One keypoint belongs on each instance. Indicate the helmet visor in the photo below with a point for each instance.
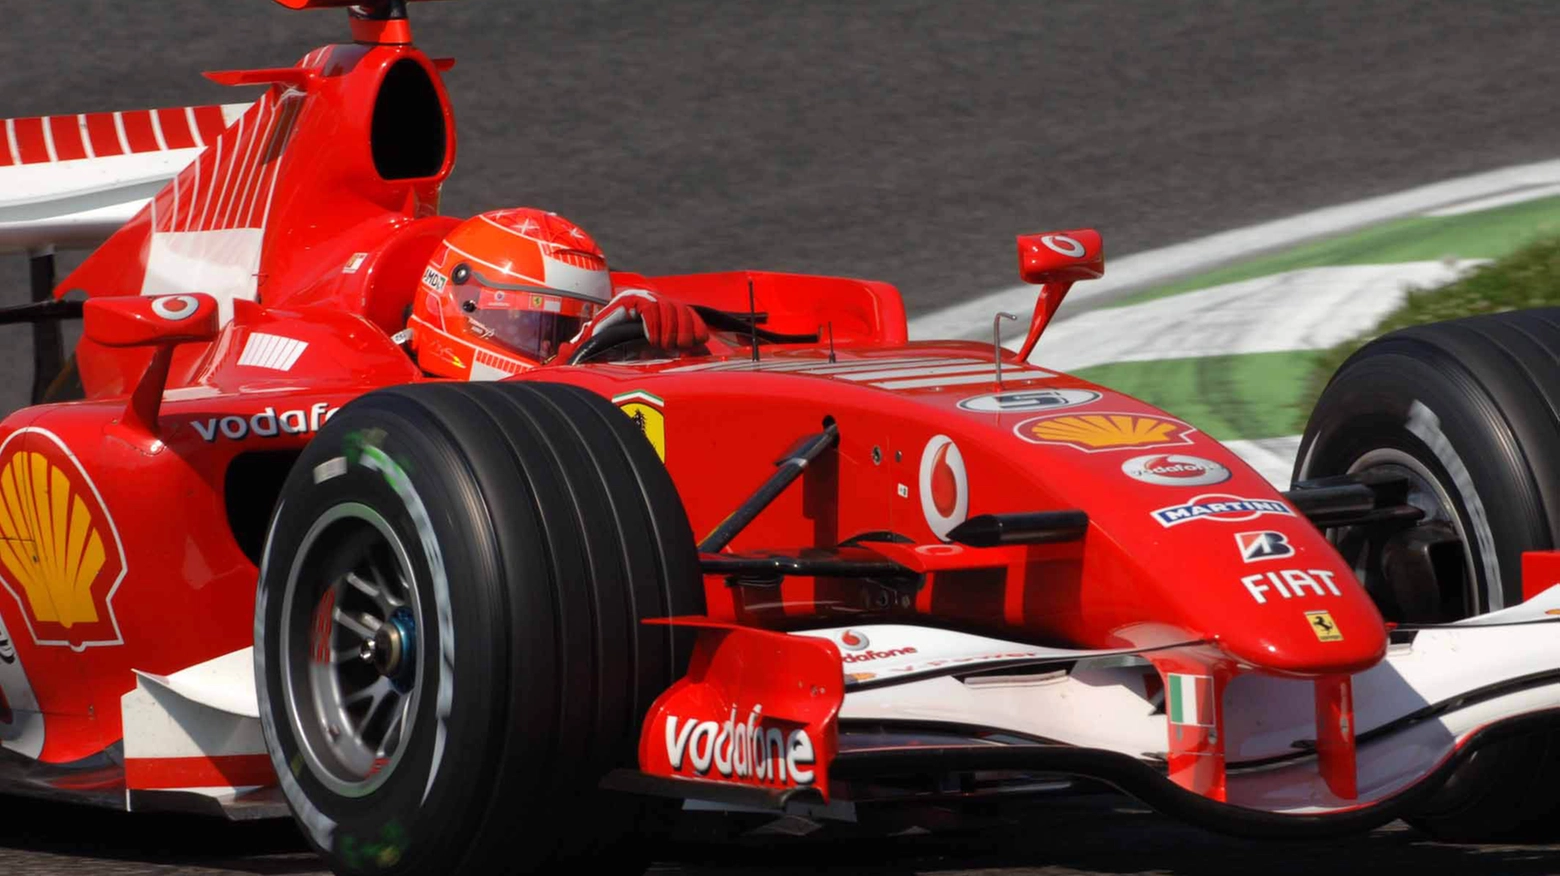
(529, 321)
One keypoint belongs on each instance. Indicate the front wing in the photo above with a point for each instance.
(893, 712)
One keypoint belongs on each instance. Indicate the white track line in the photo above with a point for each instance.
(1273, 458)
(1505, 199)
(1307, 309)
(972, 318)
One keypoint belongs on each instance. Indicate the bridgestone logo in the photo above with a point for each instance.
(745, 750)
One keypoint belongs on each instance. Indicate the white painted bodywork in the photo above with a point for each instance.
(1096, 699)
(1105, 702)
(77, 204)
(208, 710)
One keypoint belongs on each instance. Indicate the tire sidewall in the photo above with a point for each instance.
(1406, 404)
(390, 834)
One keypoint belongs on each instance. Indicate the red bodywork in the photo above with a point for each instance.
(145, 518)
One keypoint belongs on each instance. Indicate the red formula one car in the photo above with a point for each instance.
(807, 566)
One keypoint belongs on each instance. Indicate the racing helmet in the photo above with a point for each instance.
(502, 291)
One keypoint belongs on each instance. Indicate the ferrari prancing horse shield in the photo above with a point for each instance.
(646, 412)
(60, 554)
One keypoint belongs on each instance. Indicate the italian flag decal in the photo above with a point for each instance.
(1189, 699)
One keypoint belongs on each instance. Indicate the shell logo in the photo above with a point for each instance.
(1105, 431)
(60, 554)
(945, 488)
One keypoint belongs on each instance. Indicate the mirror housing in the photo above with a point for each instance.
(1056, 260)
(160, 321)
(149, 320)
(1061, 256)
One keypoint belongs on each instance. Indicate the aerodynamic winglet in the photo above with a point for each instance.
(297, 77)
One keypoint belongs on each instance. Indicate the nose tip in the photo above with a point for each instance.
(1314, 643)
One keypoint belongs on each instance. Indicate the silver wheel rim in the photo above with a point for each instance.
(353, 702)
(1426, 493)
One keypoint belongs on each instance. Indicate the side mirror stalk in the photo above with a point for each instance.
(1051, 295)
(161, 322)
(1055, 260)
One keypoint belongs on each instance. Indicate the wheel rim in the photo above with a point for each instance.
(1423, 573)
(352, 649)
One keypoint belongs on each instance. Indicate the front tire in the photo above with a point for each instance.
(448, 644)
(1467, 413)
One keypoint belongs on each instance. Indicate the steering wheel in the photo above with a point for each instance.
(606, 339)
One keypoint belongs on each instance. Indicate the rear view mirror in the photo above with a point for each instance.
(149, 320)
(1056, 260)
(1061, 256)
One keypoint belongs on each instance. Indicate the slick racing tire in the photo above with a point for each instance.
(448, 647)
(1468, 413)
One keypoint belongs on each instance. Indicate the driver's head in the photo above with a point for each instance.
(502, 291)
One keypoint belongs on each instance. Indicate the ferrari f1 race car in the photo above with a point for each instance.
(256, 561)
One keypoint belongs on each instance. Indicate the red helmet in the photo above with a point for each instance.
(503, 290)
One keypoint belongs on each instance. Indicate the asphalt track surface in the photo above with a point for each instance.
(905, 141)
(1087, 836)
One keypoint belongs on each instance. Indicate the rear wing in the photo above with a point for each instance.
(70, 181)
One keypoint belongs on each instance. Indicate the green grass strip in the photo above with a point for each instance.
(1485, 234)
(1251, 395)
(1529, 277)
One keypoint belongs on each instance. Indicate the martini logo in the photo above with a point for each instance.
(1170, 470)
(647, 412)
(1257, 546)
(945, 489)
(60, 554)
(1325, 628)
(1220, 507)
(1092, 433)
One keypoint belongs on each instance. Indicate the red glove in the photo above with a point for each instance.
(670, 325)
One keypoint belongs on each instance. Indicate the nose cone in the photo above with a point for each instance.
(1254, 576)
(1307, 617)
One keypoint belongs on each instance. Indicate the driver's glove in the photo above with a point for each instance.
(669, 324)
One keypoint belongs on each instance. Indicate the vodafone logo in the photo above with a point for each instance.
(175, 307)
(1063, 245)
(1175, 470)
(751, 750)
(945, 490)
(851, 640)
(867, 656)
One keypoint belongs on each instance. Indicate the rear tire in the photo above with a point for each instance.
(1469, 412)
(502, 543)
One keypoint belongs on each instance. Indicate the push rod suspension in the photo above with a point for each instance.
(789, 469)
